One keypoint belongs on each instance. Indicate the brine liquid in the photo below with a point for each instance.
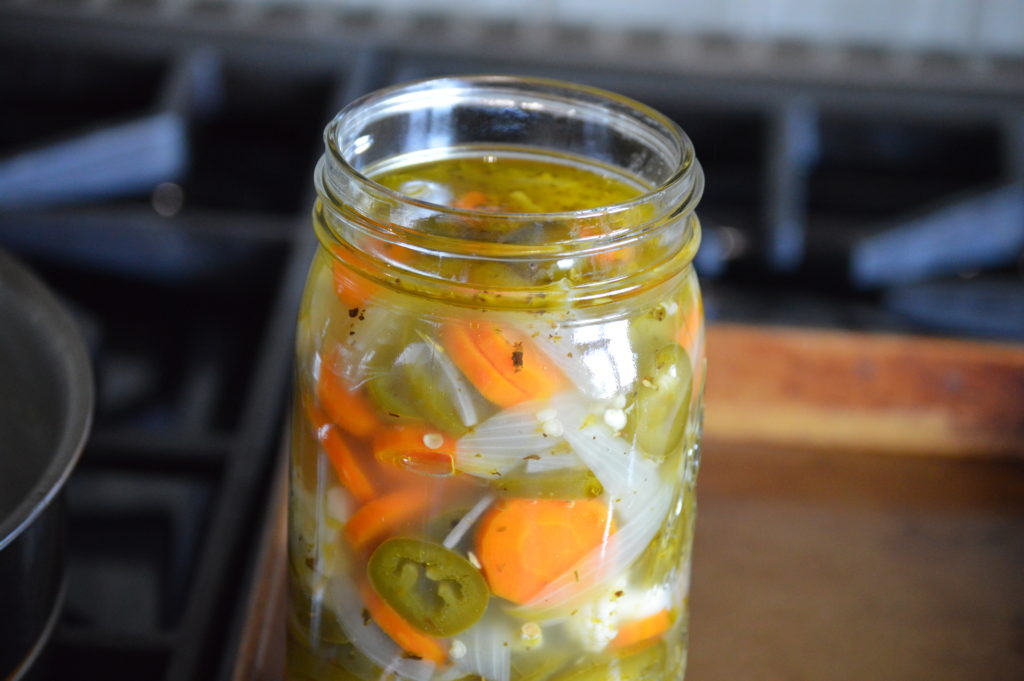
(499, 494)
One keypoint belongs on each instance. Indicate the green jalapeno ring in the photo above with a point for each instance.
(435, 589)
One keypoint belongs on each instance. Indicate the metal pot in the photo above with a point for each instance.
(46, 399)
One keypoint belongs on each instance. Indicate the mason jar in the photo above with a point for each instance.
(500, 367)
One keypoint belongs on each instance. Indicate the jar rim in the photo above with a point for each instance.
(687, 169)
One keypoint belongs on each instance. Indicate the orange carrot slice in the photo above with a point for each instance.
(348, 468)
(518, 360)
(416, 448)
(411, 640)
(688, 338)
(641, 630)
(346, 465)
(688, 333)
(459, 343)
(347, 408)
(523, 544)
(376, 518)
(502, 363)
(352, 289)
(608, 257)
(473, 200)
(350, 285)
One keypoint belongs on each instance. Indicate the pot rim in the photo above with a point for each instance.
(66, 346)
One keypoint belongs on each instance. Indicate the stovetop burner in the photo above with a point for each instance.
(167, 202)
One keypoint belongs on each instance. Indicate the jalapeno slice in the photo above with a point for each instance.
(662, 407)
(436, 590)
(560, 484)
(645, 665)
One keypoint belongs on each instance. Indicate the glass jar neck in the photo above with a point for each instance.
(408, 243)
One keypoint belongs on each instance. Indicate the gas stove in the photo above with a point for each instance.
(160, 182)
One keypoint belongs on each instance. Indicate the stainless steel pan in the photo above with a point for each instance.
(46, 399)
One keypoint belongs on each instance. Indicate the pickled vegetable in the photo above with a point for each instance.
(434, 589)
(485, 491)
(564, 484)
(524, 544)
(646, 665)
(662, 406)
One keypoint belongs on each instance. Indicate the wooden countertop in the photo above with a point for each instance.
(820, 555)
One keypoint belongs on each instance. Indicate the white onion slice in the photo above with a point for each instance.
(625, 473)
(598, 358)
(488, 648)
(552, 462)
(467, 521)
(358, 353)
(370, 639)
(502, 442)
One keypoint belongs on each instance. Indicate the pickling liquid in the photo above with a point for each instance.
(488, 491)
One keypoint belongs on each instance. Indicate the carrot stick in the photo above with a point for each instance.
(410, 639)
(348, 409)
(458, 341)
(417, 448)
(376, 518)
(523, 544)
(642, 629)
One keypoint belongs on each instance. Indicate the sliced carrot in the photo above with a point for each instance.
(411, 640)
(347, 466)
(503, 364)
(608, 257)
(459, 343)
(347, 408)
(641, 630)
(376, 518)
(689, 336)
(518, 360)
(523, 544)
(691, 324)
(473, 200)
(352, 289)
(416, 448)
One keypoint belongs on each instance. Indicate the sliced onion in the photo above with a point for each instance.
(367, 637)
(552, 462)
(359, 353)
(488, 648)
(626, 474)
(467, 521)
(502, 442)
(598, 358)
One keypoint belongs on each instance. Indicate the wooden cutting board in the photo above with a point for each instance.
(819, 555)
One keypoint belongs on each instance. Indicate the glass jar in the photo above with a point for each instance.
(500, 366)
